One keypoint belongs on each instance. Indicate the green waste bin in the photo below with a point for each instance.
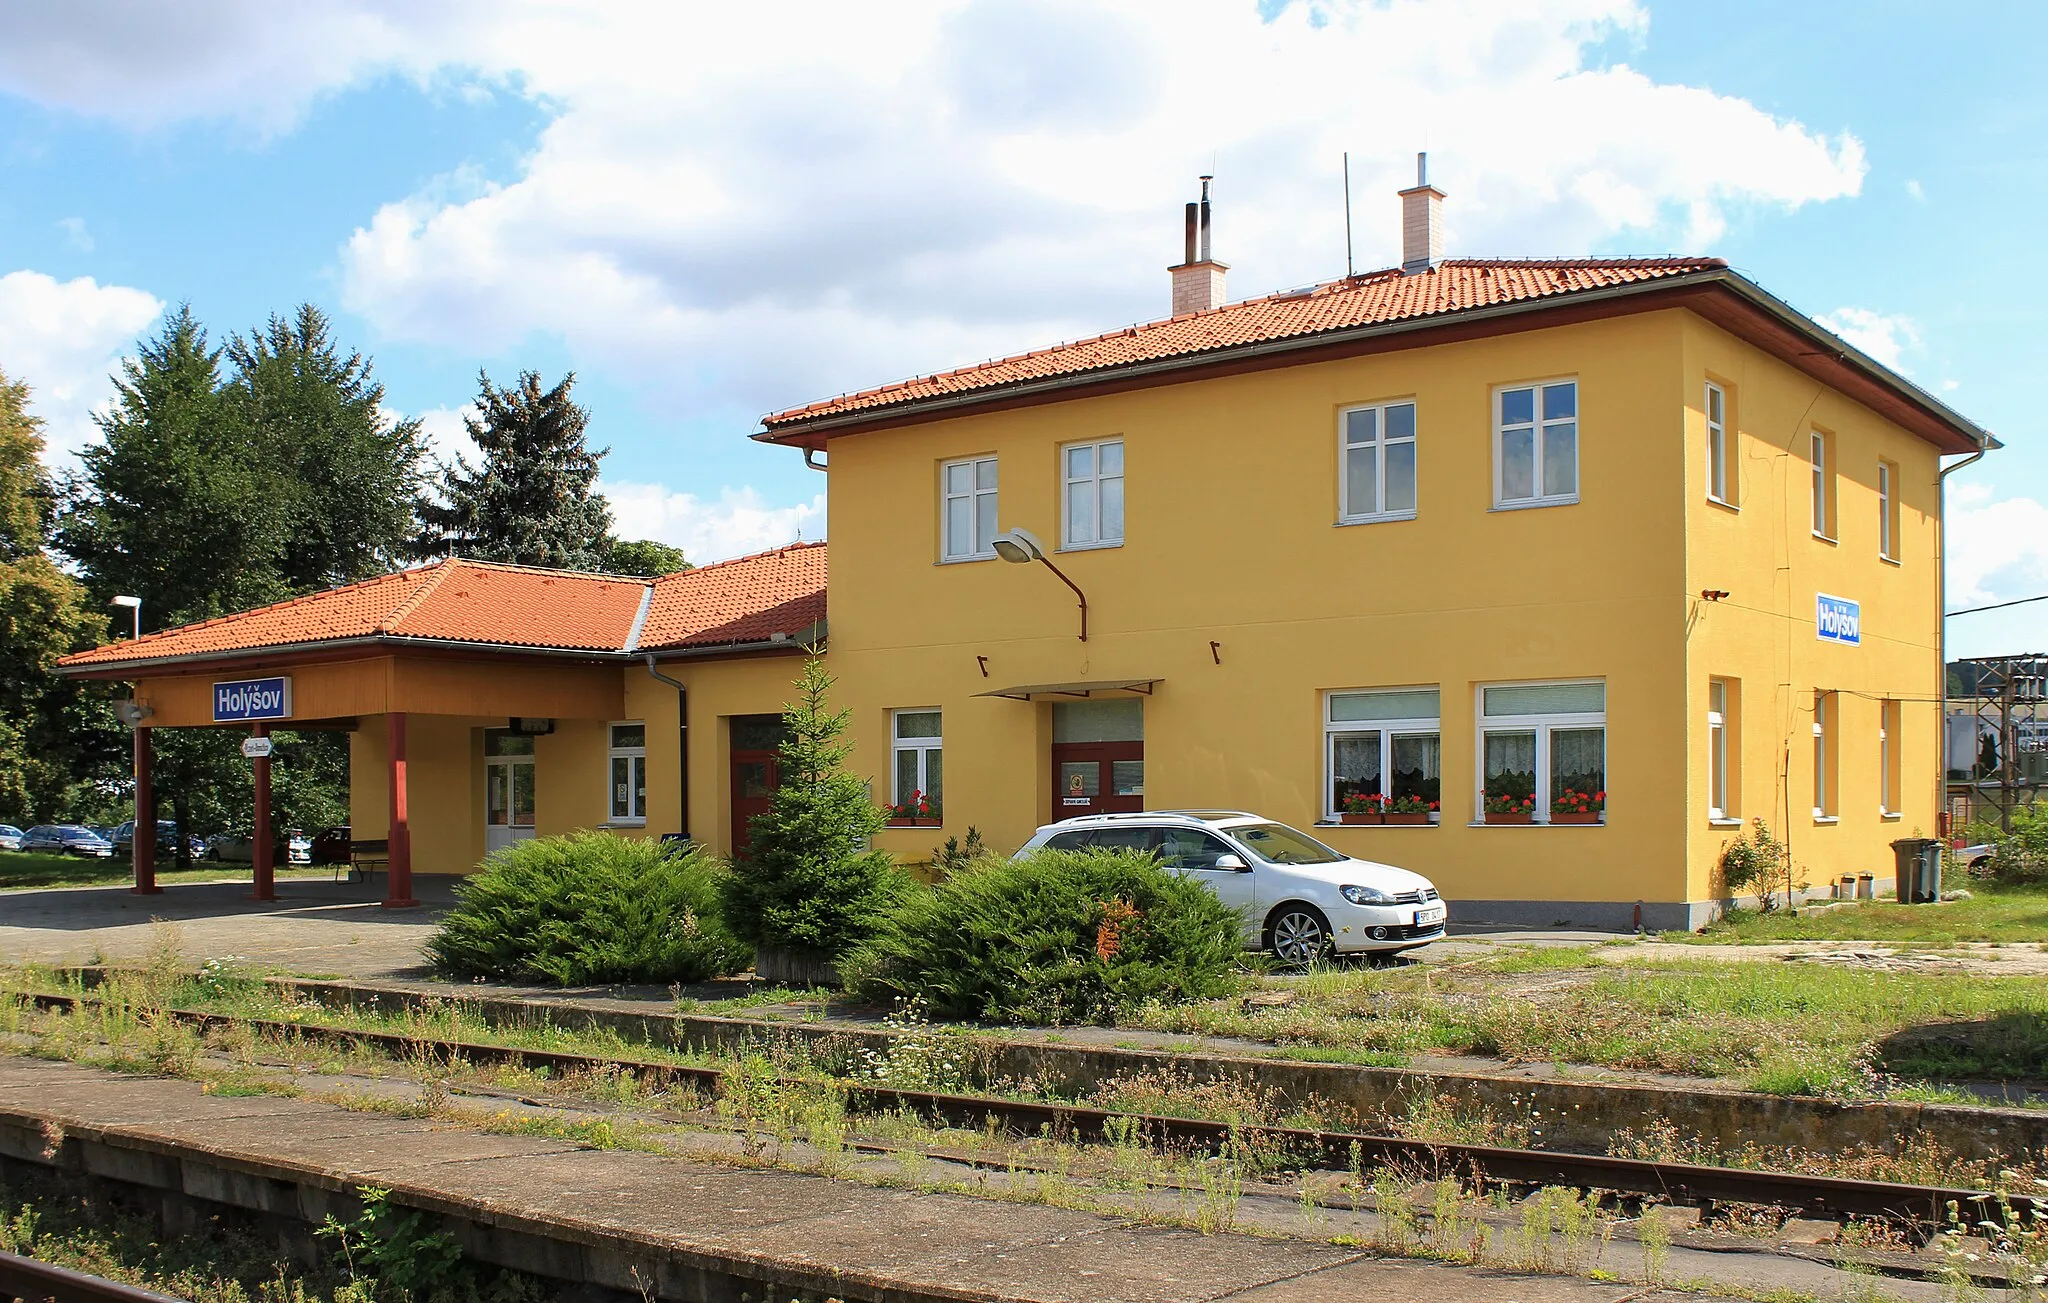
(1918, 867)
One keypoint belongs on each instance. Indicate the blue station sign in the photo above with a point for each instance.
(1837, 619)
(252, 699)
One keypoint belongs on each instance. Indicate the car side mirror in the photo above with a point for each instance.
(1234, 863)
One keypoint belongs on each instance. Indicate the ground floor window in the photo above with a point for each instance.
(1824, 807)
(1543, 751)
(1383, 752)
(1720, 762)
(628, 757)
(1888, 775)
(919, 768)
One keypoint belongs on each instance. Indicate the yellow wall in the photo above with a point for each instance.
(352, 689)
(444, 788)
(1764, 554)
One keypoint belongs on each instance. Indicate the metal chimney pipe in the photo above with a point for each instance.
(1194, 217)
(1205, 218)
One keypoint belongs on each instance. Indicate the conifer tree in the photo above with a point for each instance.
(531, 500)
(810, 887)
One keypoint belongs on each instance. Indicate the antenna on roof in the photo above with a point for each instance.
(1347, 215)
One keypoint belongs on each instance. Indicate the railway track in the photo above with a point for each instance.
(1919, 1207)
(40, 1282)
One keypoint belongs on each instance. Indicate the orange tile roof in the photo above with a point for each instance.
(1374, 298)
(747, 600)
(515, 608)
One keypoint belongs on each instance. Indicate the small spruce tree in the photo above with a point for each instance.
(810, 888)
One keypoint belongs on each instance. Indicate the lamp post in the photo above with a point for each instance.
(134, 604)
(1022, 547)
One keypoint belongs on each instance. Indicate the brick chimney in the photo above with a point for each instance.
(1422, 222)
(1198, 279)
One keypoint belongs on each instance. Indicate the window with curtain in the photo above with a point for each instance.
(917, 746)
(628, 757)
(1546, 744)
(1383, 742)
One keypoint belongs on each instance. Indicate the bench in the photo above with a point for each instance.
(365, 858)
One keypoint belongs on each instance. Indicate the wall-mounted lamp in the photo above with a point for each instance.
(1022, 547)
(134, 604)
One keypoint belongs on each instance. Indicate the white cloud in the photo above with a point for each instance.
(63, 339)
(737, 523)
(1884, 336)
(1997, 549)
(1914, 189)
(446, 435)
(758, 205)
(76, 237)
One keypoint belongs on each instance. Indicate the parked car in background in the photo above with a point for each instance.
(1299, 899)
(239, 847)
(66, 839)
(166, 840)
(10, 837)
(330, 845)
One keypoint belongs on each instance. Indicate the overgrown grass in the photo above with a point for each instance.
(1994, 912)
(37, 870)
(1782, 1028)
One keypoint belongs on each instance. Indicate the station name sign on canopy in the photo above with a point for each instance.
(248, 700)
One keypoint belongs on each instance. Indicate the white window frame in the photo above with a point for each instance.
(923, 746)
(1887, 490)
(1886, 710)
(977, 499)
(1095, 480)
(1719, 481)
(1388, 730)
(1543, 726)
(1348, 512)
(1537, 428)
(1717, 749)
(1823, 485)
(1825, 709)
(636, 774)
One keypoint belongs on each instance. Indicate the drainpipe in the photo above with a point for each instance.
(1941, 632)
(682, 742)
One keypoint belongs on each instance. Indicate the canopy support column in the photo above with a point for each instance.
(263, 849)
(398, 874)
(143, 847)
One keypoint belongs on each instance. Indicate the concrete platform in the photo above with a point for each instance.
(700, 1231)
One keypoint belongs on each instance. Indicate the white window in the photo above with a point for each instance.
(628, 758)
(1543, 750)
(1887, 511)
(1383, 748)
(1888, 773)
(1720, 486)
(969, 509)
(1717, 749)
(1093, 503)
(1823, 487)
(919, 768)
(1378, 474)
(1824, 755)
(1536, 445)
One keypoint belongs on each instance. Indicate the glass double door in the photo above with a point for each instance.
(508, 801)
(1098, 757)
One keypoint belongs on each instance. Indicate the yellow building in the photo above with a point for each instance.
(1625, 549)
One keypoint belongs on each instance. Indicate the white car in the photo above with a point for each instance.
(1298, 898)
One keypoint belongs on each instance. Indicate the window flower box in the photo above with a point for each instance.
(1510, 801)
(1576, 806)
(1410, 809)
(1574, 816)
(916, 812)
(1510, 816)
(1406, 816)
(1362, 807)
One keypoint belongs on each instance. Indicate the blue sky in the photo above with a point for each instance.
(709, 214)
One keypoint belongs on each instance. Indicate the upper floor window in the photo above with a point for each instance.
(1720, 460)
(968, 507)
(1383, 752)
(1536, 445)
(1888, 510)
(1093, 509)
(1821, 445)
(629, 772)
(1379, 462)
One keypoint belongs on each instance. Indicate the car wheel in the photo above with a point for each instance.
(1298, 935)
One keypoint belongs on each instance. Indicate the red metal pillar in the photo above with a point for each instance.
(398, 874)
(263, 850)
(144, 846)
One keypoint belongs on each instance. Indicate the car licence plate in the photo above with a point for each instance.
(1426, 917)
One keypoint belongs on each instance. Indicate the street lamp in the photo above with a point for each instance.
(134, 604)
(1022, 547)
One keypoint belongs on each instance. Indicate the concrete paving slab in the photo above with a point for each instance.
(1126, 1264)
(1382, 1278)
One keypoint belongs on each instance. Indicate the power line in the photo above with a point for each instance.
(1995, 606)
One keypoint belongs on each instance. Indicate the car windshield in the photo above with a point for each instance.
(1276, 843)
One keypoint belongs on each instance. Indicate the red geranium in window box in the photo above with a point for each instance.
(1574, 806)
(917, 812)
(1362, 807)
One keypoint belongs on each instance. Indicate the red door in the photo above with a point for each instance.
(754, 779)
(1097, 778)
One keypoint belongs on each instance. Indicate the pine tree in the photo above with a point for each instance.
(810, 887)
(531, 501)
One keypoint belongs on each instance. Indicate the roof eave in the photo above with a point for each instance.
(118, 669)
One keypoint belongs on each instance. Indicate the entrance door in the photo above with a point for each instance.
(756, 772)
(508, 801)
(1098, 757)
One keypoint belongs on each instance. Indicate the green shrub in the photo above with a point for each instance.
(1058, 937)
(809, 884)
(589, 907)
